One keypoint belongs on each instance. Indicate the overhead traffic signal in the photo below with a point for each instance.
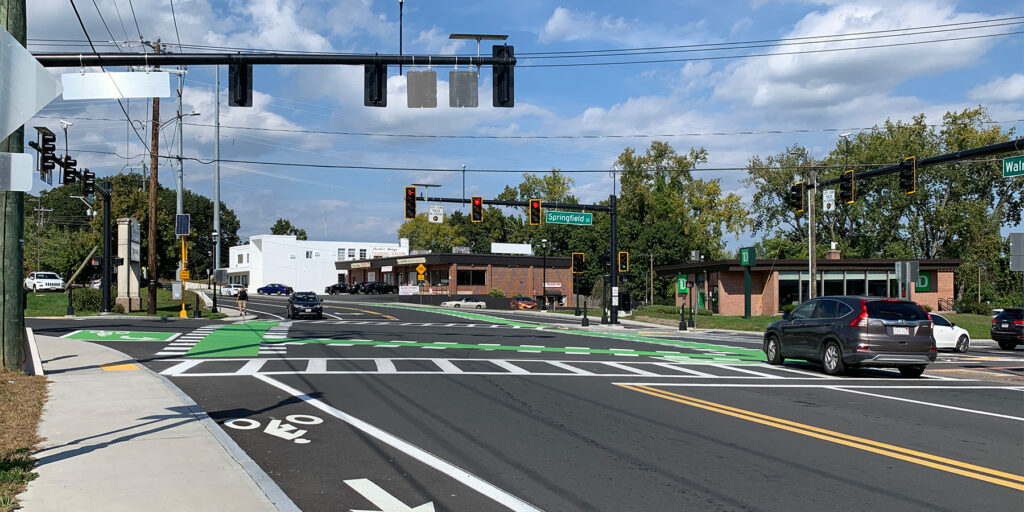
(796, 197)
(847, 193)
(503, 88)
(88, 182)
(410, 202)
(477, 211)
(240, 85)
(46, 147)
(577, 262)
(375, 85)
(70, 173)
(623, 261)
(908, 175)
(534, 212)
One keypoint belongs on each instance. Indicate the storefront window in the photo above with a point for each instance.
(789, 290)
(878, 284)
(833, 283)
(438, 278)
(471, 277)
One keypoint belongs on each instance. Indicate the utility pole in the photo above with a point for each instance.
(154, 183)
(812, 193)
(216, 173)
(12, 217)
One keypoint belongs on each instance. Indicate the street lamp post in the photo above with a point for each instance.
(544, 275)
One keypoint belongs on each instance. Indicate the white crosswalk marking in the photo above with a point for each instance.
(182, 344)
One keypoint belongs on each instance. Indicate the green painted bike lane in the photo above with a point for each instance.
(747, 354)
(232, 340)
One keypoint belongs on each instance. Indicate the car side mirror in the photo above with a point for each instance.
(952, 324)
(785, 316)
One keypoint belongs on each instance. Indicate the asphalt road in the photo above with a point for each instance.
(486, 410)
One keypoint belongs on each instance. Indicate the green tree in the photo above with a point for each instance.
(426, 235)
(284, 227)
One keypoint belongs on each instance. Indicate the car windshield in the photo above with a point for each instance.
(305, 296)
(47, 275)
(895, 310)
(1011, 314)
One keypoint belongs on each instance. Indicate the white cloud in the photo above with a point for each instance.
(1000, 90)
(572, 25)
(741, 26)
(436, 40)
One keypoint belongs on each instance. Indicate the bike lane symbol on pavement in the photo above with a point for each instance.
(104, 335)
(278, 428)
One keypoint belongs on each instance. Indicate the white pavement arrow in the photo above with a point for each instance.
(27, 85)
(382, 499)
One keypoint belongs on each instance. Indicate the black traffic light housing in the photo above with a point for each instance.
(240, 85)
(477, 210)
(908, 175)
(847, 192)
(88, 182)
(535, 212)
(69, 169)
(375, 85)
(96, 261)
(623, 261)
(577, 262)
(410, 202)
(796, 197)
(503, 77)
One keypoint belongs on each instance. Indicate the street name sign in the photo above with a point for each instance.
(116, 85)
(1013, 166)
(571, 218)
(27, 86)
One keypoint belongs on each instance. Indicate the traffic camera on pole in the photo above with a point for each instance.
(88, 182)
(908, 175)
(477, 211)
(534, 212)
(623, 261)
(847, 193)
(577, 262)
(410, 202)
(795, 199)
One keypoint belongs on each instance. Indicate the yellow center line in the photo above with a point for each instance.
(941, 463)
(389, 317)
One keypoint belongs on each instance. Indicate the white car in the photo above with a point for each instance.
(40, 281)
(464, 303)
(948, 335)
(230, 290)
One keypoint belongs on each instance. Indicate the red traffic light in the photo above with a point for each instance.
(536, 204)
(477, 201)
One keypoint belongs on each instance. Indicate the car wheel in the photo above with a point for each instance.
(478, 306)
(911, 372)
(260, 292)
(36, 288)
(963, 343)
(456, 306)
(319, 316)
(773, 350)
(1007, 345)
(832, 359)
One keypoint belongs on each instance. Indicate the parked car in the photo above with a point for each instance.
(274, 288)
(230, 290)
(846, 332)
(523, 303)
(355, 288)
(948, 335)
(464, 302)
(337, 288)
(304, 304)
(1008, 328)
(42, 281)
(378, 287)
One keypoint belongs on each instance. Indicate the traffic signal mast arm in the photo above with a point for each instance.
(63, 60)
(524, 204)
(993, 149)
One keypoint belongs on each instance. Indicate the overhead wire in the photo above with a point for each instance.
(136, 19)
(104, 21)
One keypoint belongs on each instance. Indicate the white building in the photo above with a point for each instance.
(305, 265)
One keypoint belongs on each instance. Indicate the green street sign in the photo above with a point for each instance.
(99, 335)
(681, 284)
(748, 256)
(573, 218)
(1013, 166)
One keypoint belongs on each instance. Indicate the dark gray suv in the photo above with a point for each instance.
(844, 332)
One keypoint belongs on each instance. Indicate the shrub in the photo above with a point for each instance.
(969, 306)
(86, 299)
(703, 312)
(927, 307)
(118, 308)
(496, 293)
(788, 308)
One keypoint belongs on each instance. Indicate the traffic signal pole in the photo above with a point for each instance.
(614, 307)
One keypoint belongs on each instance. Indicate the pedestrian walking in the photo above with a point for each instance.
(242, 298)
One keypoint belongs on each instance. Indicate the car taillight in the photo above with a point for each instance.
(993, 320)
(862, 318)
(1018, 322)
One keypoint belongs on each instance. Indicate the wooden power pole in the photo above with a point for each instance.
(154, 183)
(12, 217)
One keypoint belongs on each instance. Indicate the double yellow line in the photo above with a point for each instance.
(924, 459)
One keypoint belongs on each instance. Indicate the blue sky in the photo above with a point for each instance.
(705, 102)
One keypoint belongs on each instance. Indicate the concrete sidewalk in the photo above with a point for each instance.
(120, 437)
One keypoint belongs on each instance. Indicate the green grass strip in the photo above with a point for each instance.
(232, 340)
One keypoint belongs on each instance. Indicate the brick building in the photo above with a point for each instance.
(776, 283)
(472, 274)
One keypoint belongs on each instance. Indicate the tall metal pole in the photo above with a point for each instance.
(401, 5)
(216, 172)
(180, 182)
(614, 263)
(154, 184)
(12, 219)
(463, 183)
(544, 278)
(107, 256)
(810, 234)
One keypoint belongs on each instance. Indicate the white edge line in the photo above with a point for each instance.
(465, 477)
(961, 409)
(172, 338)
(72, 333)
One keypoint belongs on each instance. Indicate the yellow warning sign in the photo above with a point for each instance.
(421, 277)
(183, 275)
(420, 269)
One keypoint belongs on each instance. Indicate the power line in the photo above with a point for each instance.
(528, 137)
(136, 19)
(100, 14)
(175, 19)
(118, 11)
